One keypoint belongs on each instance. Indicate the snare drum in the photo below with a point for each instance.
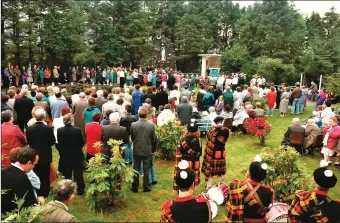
(278, 212)
(219, 193)
(213, 205)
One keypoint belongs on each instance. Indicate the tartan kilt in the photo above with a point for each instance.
(192, 166)
(213, 166)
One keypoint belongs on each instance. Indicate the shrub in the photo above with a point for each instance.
(167, 137)
(107, 177)
(257, 127)
(285, 174)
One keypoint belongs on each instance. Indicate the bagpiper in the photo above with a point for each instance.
(185, 207)
(316, 206)
(248, 200)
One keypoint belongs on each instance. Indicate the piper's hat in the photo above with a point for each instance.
(185, 177)
(218, 119)
(192, 127)
(325, 178)
(258, 170)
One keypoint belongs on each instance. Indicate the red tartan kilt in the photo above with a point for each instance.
(193, 165)
(213, 166)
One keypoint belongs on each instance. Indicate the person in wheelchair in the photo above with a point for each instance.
(292, 130)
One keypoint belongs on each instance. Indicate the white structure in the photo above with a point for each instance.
(210, 60)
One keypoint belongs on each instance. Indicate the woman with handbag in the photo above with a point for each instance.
(190, 149)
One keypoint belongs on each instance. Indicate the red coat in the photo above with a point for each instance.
(334, 135)
(11, 137)
(93, 133)
(271, 97)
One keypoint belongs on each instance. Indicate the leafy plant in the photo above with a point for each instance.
(285, 174)
(107, 177)
(28, 214)
(257, 127)
(167, 137)
(262, 100)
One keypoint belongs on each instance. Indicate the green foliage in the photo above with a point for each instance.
(28, 214)
(332, 83)
(167, 138)
(107, 178)
(285, 174)
(235, 58)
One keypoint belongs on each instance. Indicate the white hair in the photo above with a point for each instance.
(56, 90)
(24, 92)
(39, 114)
(211, 109)
(100, 93)
(296, 120)
(24, 86)
(82, 95)
(114, 117)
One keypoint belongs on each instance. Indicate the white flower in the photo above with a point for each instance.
(323, 163)
(328, 173)
(183, 175)
(257, 158)
(192, 124)
(264, 166)
(183, 165)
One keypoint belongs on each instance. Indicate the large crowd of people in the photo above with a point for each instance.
(44, 116)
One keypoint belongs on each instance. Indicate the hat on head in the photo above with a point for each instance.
(258, 170)
(192, 127)
(185, 177)
(218, 119)
(324, 177)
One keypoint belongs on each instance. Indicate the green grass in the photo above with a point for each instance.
(146, 207)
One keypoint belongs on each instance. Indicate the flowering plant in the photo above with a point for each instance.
(257, 127)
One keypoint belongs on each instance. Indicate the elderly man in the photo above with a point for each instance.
(40, 137)
(113, 131)
(57, 105)
(184, 111)
(142, 135)
(78, 110)
(16, 182)
(23, 107)
(63, 194)
(165, 116)
(11, 137)
(186, 93)
(295, 127)
(100, 100)
(311, 132)
(110, 105)
(70, 146)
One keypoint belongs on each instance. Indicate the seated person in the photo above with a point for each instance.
(295, 127)
(250, 111)
(185, 207)
(258, 110)
(311, 132)
(205, 122)
(227, 113)
(239, 118)
(256, 206)
(195, 114)
(63, 194)
(212, 114)
(316, 205)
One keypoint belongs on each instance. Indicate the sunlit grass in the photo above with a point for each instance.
(146, 207)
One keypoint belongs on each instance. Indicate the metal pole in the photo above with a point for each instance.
(301, 80)
(320, 82)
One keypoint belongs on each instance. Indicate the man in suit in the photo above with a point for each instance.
(78, 111)
(15, 182)
(40, 137)
(63, 194)
(70, 144)
(295, 127)
(23, 107)
(142, 135)
(113, 131)
(100, 100)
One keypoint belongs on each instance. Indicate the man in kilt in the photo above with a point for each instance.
(185, 207)
(316, 206)
(214, 163)
(190, 149)
(248, 200)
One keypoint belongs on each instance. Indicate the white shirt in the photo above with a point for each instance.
(253, 81)
(165, 116)
(177, 94)
(228, 81)
(57, 123)
(327, 114)
(110, 105)
(220, 81)
(235, 80)
(121, 73)
(149, 77)
(212, 116)
(75, 97)
(19, 167)
(239, 118)
(104, 73)
(261, 92)
(259, 81)
(135, 74)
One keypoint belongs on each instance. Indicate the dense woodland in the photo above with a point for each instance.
(270, 38)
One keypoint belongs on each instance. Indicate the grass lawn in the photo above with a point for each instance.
(146, 207)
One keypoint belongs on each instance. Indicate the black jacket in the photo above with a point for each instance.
(127, 121)
(41, 138)
(70, 144)
(113, 131)
(23, 107)
(161, 98)
(15, 182)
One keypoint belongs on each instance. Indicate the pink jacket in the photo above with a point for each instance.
(334, 135)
